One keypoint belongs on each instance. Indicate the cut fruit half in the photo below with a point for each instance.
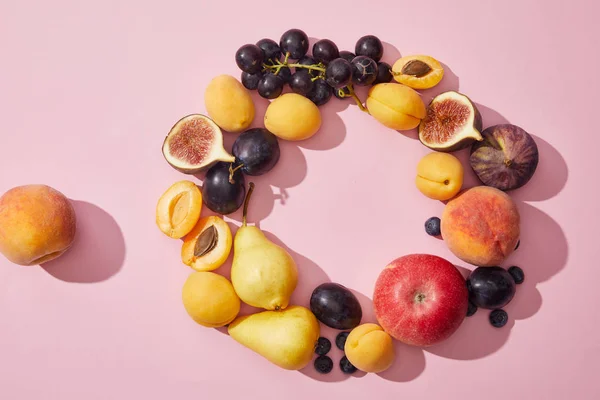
(452, 123)
(208, 245)
(194, 144)
(179, 209)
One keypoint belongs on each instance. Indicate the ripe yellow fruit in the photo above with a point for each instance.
(396, 106)
(210, 300)
(439, 176)
(229, 104)
(293, 117)
(369, 348)
(418, 71)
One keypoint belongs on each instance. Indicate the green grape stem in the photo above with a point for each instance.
(355, 97)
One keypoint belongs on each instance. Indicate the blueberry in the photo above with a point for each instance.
(498, 318)
(340, 340)
(517, 274)
(432, 226)
(323, 346)
(323, 364)
(346, 366)
(518, 244)
(472, 309)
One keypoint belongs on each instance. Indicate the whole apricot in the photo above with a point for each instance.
(292, 117)
(439, 176)
(37, 224)
(396, 106)
(229, 104)
(369, 348)
(210, 299)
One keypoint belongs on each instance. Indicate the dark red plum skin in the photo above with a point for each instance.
(506, 158)
(336, 306)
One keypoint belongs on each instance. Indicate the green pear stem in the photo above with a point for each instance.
(246, 202)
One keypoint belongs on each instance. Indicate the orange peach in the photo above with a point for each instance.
(481, 226)
(37, 224)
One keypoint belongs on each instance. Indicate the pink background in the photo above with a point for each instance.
(89, 89)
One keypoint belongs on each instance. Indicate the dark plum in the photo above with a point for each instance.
(384, 73)
(249, 58)
(364, 70)
(270, 49)
(256, 151)
(336, 306)
(347, 55)
(320, 93)
(301, 82)
(369, 46)
(250, 81)
(270, 86)
(491, 287)
(325, 51)
(219, 193)
(295, 42)
(338, 73)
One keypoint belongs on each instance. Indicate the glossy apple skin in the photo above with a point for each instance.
(420, 299)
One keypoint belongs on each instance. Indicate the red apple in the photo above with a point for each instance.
(420, 299)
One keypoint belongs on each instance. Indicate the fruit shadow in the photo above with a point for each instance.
(98, 251)
(543, 253)
(450, 81)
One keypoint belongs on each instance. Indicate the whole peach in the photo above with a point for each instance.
(37, 224)
(481, 226)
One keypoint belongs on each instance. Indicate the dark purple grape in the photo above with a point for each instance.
(218, 193)
(347, 55)
(256, 150)
(338, 73)
(249, 58)
(295, 42)
(250, 81)
(336, 306)
(320, 93)
(270, 49)
(307, 60)
(325, 51)
(345, 90)
(369, 46)
(301, 82)
(270, 86)
(364, 70)
(384, 73)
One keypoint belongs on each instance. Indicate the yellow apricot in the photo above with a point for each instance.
(210, 299)
(439, 176)
(418, 71)
(292, 117)
(396, 106)
(369, 348)
(178, 209)
(214, 247)
(229, 103)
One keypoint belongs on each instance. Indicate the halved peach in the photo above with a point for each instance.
(178, 209)
(208, 245)
(418, 71)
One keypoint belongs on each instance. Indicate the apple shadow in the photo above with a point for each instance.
(98, 251)
(476, 337)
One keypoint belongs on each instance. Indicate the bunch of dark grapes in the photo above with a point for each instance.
(268, 66)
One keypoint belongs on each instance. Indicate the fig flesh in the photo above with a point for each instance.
(452, 123)
(194, 144)
(506, 158)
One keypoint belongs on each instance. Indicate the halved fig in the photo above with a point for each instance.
(194, 144)
(506, 158)
(452, 123)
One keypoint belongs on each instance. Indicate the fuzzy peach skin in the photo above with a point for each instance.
(369, 348)
(37, 224)
(481, 226)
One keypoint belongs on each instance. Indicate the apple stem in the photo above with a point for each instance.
(246, 202)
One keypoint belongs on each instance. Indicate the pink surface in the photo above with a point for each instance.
(89, 89)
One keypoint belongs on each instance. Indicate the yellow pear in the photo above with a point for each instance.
(287, 338)
(263, 274)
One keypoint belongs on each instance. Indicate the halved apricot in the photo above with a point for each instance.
(418, 71)
(178, 209)
(208, 245)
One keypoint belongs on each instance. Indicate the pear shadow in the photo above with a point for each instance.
(391, 54)
(550, 177)
(331, 133)
(542, 254)
(98, 251)
(450, 81)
